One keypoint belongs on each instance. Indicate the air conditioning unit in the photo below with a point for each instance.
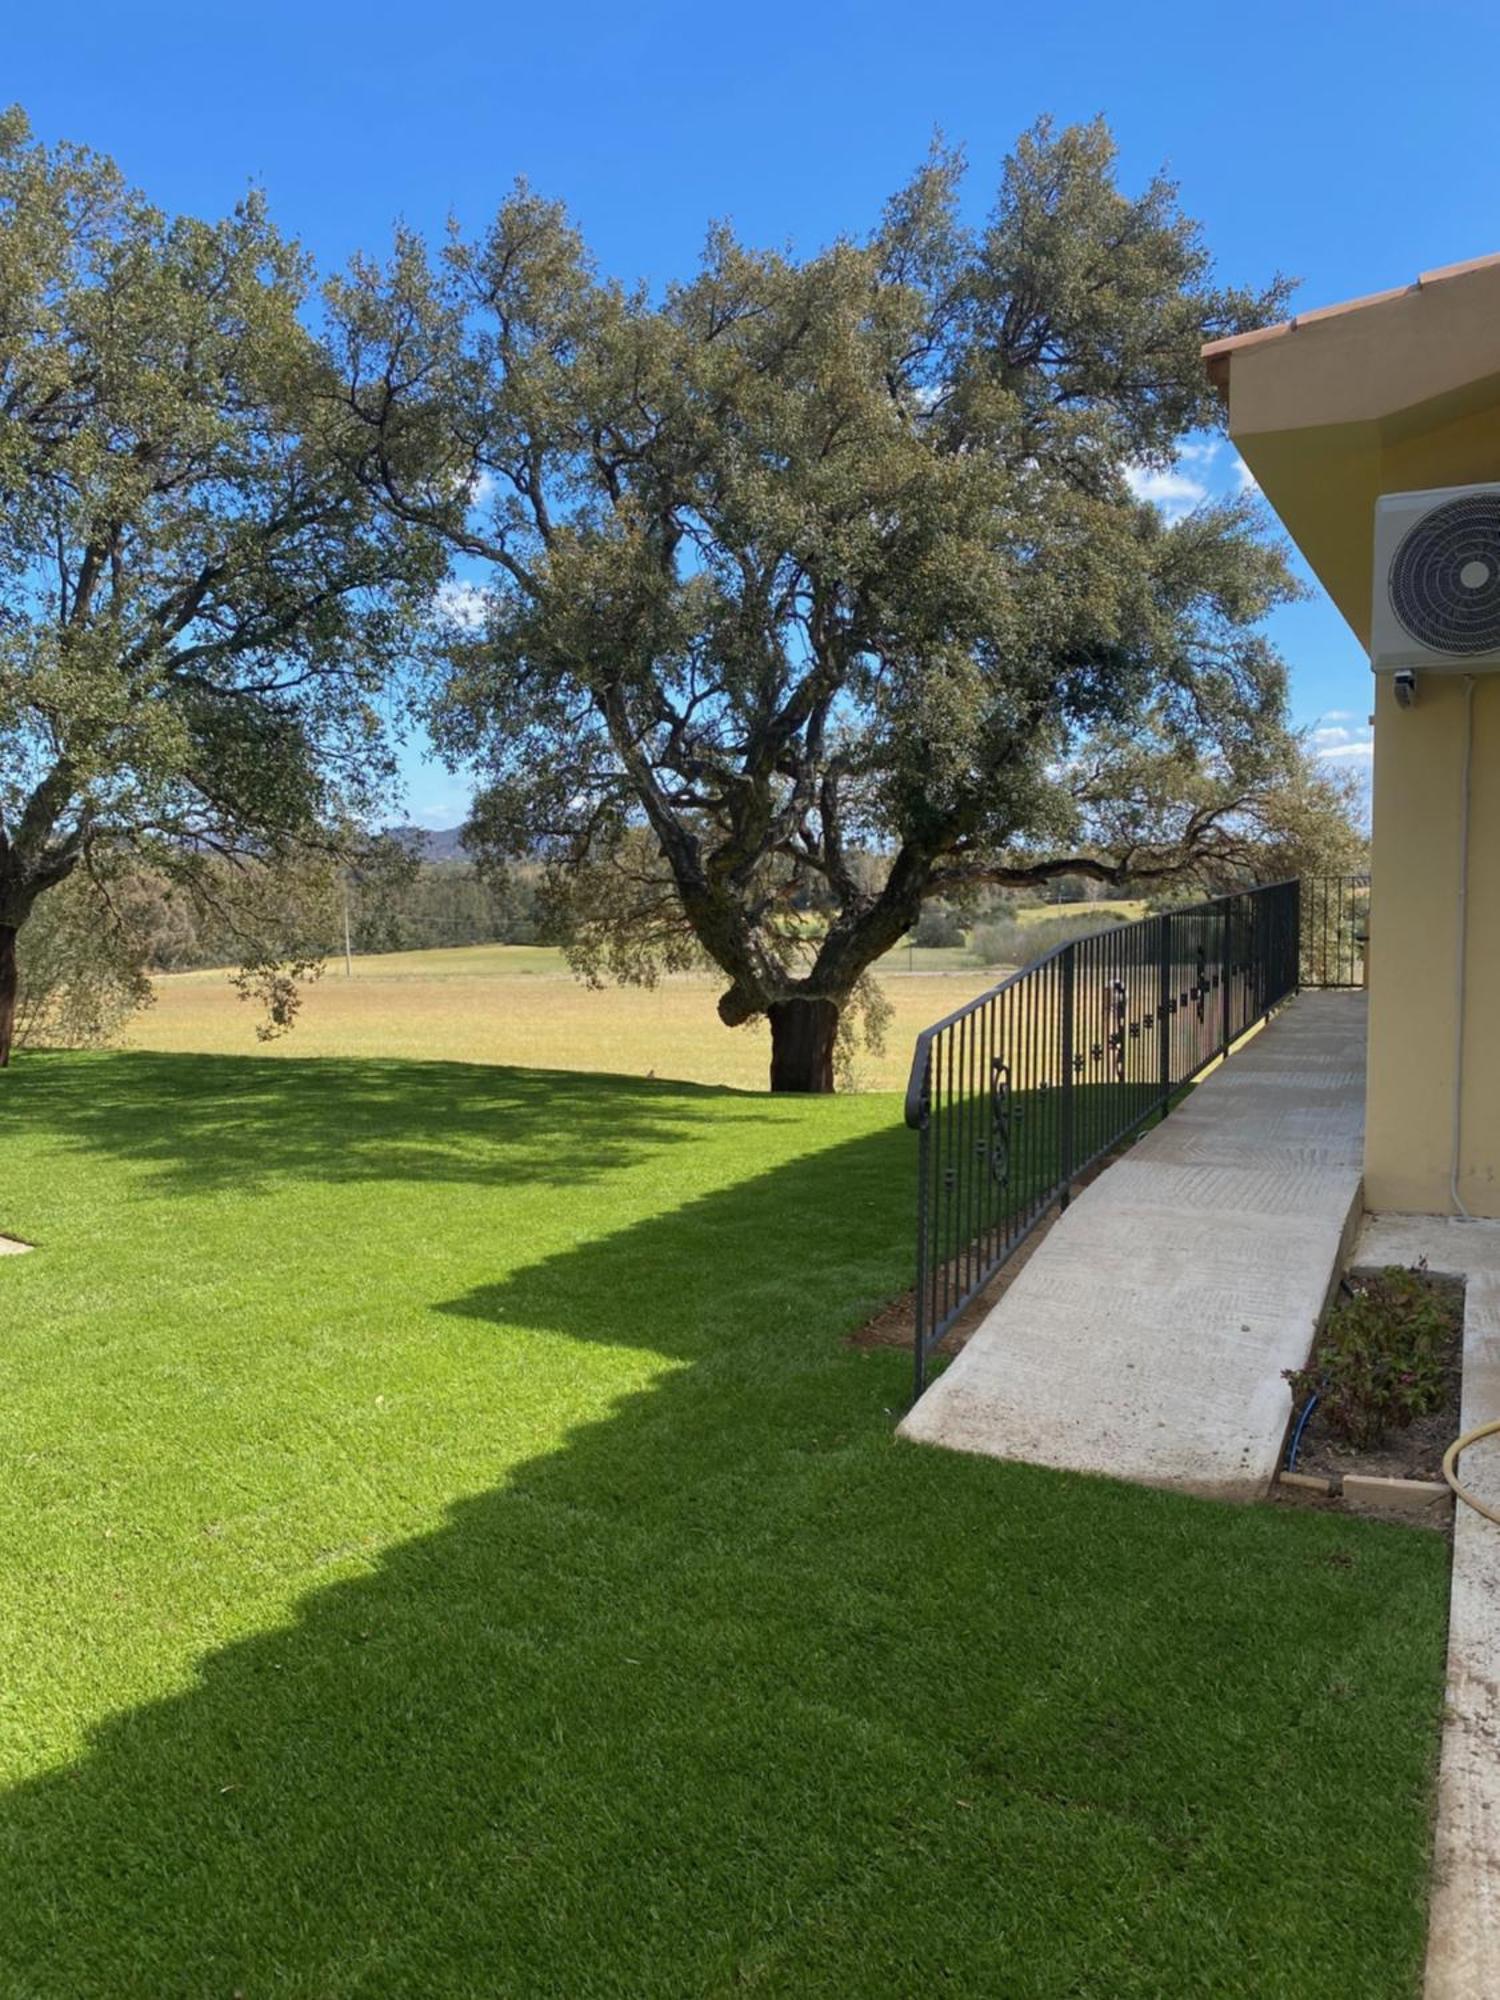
(1437, 581)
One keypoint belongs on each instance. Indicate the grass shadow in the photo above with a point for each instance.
(241, 1121)
(732, 1692)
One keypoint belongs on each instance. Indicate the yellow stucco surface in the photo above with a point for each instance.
(1414, 952)
(1399, 394)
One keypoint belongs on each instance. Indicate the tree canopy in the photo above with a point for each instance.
(816, 587)
(202, 612)
(825, 554)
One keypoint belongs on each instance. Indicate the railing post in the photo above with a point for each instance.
(1164, 1010)
(1226, 941)
(1065, 1116)
(924, 1257)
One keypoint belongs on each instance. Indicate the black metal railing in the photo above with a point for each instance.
(1020, 1092)
(1335, 929)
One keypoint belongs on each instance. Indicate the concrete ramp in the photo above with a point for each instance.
(1146, 1336)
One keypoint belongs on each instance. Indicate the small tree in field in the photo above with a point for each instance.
(200, 609)
(830, 557)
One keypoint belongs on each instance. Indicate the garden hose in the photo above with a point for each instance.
(1450, 1460)
(1291, 1457)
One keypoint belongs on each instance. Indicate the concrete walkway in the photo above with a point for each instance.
(1147, 1335)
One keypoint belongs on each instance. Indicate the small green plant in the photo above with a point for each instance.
(1384, 1357)
(939, 925)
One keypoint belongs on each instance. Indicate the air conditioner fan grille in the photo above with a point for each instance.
(1445, 577)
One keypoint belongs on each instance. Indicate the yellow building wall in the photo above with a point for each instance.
(1398, 395)
(1418, 790)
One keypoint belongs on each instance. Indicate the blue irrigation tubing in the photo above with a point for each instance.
(1291, 1457)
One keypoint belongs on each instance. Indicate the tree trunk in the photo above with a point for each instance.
(8, 981)
(802, 1038)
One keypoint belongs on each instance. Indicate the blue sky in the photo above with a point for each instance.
(1348, 145)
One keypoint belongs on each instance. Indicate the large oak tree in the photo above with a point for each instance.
(202, 612)
(813, 559)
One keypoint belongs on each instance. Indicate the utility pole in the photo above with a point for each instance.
(348, 953)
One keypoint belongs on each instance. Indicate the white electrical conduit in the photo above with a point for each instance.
(1461, 1444)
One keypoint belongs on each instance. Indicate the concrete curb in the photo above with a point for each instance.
(1463, 1933)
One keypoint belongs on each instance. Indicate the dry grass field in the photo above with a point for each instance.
(519, 1004)
(1120, 910)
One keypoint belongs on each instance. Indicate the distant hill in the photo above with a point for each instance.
(432, 843)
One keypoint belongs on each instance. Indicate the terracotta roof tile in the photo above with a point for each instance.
(1445, 271)
(1237, 340)
(1353, 305)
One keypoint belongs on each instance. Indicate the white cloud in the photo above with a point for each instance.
(465, 604)
(1171, 489)
(1339, 737)
(1203, 467)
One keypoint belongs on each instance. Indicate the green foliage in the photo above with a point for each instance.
(939, 925)
(581, 895)
(839, 553)
(1335, 928)
(863, 1028)
(1385, 1356)
(87, 947)
(446, 903)
(1067, 889)
(203, 616)
(409, 906)
(81, 970)
(1004, 942)
(1269, 810)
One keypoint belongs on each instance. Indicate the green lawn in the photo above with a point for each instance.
(450, 1550)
